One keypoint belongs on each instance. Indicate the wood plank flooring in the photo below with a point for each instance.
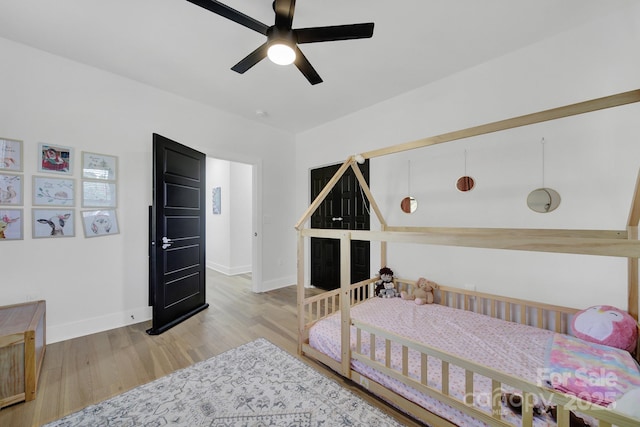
(86, 370)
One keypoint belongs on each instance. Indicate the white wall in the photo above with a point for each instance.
(218, 226)
(229, 240)
(97, 284)
(591, 160)
(240, 205)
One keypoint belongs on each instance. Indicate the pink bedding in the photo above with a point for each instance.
(578, 367)
(516, 349)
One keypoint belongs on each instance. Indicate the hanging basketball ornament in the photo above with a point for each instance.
(465, 183)
(543, 199)
(409, 204)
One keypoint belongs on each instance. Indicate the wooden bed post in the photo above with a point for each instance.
(632, 234)
(300, 292)
(632, 293)
(345, 302)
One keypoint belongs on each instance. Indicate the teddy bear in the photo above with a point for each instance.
(422, 292)
(384, 286)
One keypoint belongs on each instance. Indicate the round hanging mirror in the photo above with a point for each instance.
(465, 183)
(543, 200)
(409, 204)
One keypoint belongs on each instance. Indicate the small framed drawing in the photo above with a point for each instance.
(99, 166)
(10, 154)
(215, 201)
(53, 223)
(100, 223)
(49, 191)
(55, 159)
(11, 224)
(11, 189)
(98, 194)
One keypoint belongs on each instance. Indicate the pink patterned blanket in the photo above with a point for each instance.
(593, 372)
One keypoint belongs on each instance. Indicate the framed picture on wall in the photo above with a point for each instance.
(53, 223)
(55, 159)
(11, 189)
(216, 202)
(100, 223)
(10, 154)
(98, 194)
(11, 224)
(48, 191)
(99, 166)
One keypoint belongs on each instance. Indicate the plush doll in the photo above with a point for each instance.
(422, 292)
(384, 286)
(606, 325)
(514, 402)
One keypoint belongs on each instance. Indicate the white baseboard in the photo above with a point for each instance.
(274, 284)
(66, 331)
(93, 325)
(228, 270)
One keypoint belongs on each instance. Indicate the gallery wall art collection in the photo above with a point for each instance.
(54, 192)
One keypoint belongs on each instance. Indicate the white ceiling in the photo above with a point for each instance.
(179, 47)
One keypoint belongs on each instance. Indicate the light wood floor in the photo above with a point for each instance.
(86, 370)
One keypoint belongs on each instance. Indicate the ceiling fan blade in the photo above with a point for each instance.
(252, 59)
(306, 68)
(284, 13)
(336, 32)
(232, 14)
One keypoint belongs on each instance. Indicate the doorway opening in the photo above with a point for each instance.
(230, 218)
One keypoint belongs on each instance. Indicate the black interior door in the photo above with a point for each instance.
(346, 208)
(177, 248)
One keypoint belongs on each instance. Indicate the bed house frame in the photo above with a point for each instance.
(618, 243)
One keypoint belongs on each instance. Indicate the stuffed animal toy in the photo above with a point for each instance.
(422, 292)
(606, 325)
(514, 402)
(384, 286)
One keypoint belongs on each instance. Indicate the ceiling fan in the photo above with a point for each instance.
(282, 41)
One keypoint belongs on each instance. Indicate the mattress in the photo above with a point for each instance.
(509, 347)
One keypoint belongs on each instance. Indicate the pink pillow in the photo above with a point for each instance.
(607, 325)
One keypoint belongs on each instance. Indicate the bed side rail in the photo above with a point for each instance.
(473, 398)
(544, 316)
(319, 306)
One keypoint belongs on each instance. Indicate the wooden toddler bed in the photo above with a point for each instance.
(449, 363)
(432, 374)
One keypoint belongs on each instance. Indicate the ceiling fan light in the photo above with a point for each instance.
(281, 54)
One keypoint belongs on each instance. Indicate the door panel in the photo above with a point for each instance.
(181, 196)
(177, 273)
(186, 257)
(189, 226)
(181, 289)
(343, 208)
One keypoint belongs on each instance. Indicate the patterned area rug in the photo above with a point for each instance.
(257, 384)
